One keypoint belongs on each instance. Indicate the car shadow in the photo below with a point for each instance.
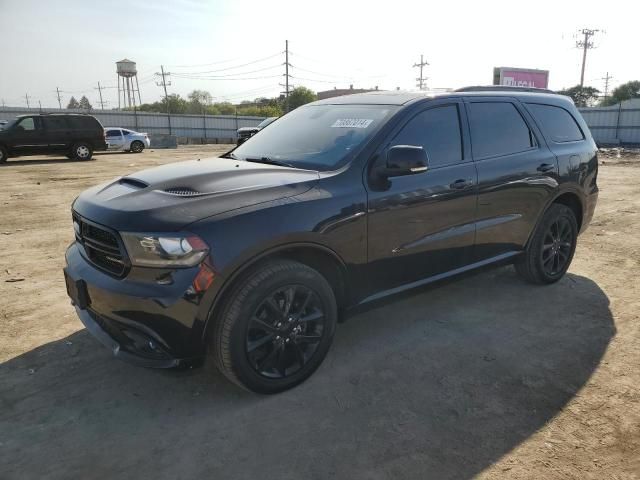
(47, 160)
(439, 384)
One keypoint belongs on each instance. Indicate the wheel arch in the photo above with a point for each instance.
(319, 257)
(568, 197)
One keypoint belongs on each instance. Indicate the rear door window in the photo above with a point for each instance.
(55, 123)
(556, 123)
(497, 128)
(437, 130)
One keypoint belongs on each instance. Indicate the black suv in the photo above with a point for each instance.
(74, 135)
(255, 256)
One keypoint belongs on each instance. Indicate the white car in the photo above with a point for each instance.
(127, 140)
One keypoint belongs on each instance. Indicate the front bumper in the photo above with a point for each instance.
(142, 321)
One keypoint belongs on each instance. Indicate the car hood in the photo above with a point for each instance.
(172, 196)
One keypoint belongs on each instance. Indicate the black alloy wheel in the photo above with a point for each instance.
(556, 248)
(551, 247)
(276, 326)
(284, 331)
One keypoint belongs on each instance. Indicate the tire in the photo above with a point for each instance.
(81, 151)
(136, 146)
(551, 249)
(276, 327)
(4, 155)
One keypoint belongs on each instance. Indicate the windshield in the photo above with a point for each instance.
(266, 122)
(317, 137)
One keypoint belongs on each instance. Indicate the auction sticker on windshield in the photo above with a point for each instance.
(352, 123)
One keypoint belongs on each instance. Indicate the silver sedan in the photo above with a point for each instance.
(127, 140)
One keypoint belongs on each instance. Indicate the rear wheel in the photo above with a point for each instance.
(137, 146)
(3, 154)
(276, 328)
(81, 151)
(551, 248)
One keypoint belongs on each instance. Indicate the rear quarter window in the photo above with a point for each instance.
(556, 123)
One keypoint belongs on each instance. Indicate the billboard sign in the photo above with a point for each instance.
(521, 77)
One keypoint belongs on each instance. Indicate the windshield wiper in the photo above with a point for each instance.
(229, 155)
(269, 161)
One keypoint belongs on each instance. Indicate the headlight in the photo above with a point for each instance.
(164, 250)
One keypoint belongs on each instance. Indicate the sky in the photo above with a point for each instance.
(235, 49)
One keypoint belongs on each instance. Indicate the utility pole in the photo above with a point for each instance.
(101, 102)
(585, 45)
(40, 105)
(59, 100)
(164, 84)
(26, 97)
(421, 80)
(606, 85)
(286, 76)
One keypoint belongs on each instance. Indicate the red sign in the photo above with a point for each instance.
(520, 77)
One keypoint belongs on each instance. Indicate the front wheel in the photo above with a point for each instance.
(551, 249)
(137, 146)
(276, 327)
(3, 154)
(81, 151)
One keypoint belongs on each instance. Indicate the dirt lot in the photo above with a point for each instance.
(485, 377)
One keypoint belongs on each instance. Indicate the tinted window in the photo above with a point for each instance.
(26, 124)
(127, 132)
(437, 130)
(497, 128)
(556, 123)
(81, 122)
(55, 123)
(113, 133)
(318, 137)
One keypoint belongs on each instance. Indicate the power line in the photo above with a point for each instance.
(189, 77)
(585, 44)
(606, 79)
(421, 80)
(286, 76)
(164, 84)
(239, 66)
(192, 74)
(100, 91)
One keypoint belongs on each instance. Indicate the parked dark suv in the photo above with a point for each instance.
(74, 135)
(255, 256)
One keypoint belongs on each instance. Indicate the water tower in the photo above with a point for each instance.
(127, 72)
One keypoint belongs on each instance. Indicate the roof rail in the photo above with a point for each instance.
(502, 88)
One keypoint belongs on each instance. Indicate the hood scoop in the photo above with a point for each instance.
(132, 182)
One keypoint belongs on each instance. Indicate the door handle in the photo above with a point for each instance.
(461, 184)
(546, 167)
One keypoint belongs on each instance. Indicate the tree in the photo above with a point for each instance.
(582, 96)
(199, 100)
(73, 103)
(626, 91)
(84, 103)
(299, 96)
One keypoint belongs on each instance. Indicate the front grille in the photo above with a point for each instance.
(101, 246)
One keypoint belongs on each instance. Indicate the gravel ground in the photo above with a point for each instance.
(484, 377)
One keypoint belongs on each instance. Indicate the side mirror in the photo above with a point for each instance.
(406, 160)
